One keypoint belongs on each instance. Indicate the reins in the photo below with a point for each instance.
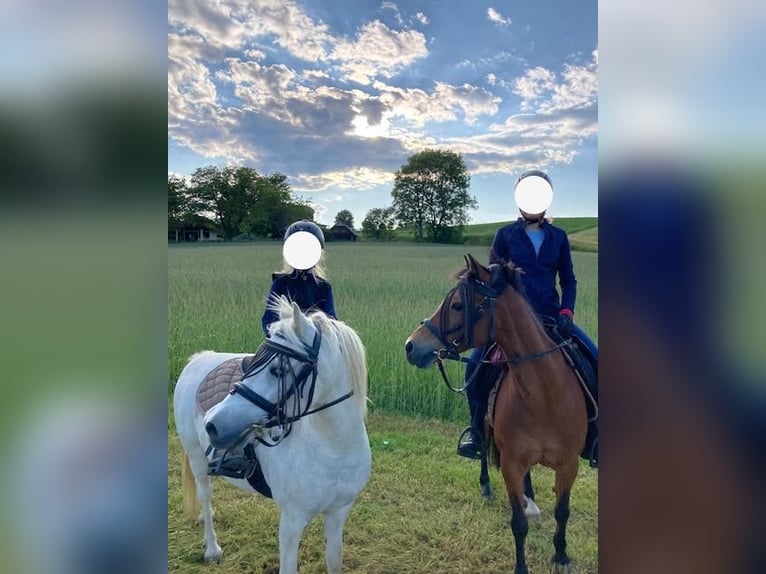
(277, 416)
(471, 315)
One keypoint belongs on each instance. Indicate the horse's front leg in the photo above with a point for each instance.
(514, 483)
(291, 525)
(334, 522)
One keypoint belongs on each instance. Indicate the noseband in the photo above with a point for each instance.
(276, 412)
(471, 315)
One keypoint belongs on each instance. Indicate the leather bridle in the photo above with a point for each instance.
(277, 415)
(472, 314)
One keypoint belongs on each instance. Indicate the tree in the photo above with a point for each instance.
(228, 192)
(345, 217)
(275, 209)
(178, 201)
(379, 223)
(431, 194)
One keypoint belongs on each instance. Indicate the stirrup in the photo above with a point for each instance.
(593, 462)
(462, 446)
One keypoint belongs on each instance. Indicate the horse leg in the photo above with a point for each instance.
(565, 477)
(334, 521)
(198, 463)
(291, 525)
(514, 480)
(486, 488)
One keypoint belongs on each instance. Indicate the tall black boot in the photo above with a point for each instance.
(471, 441)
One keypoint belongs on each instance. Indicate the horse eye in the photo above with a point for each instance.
(457, 307)
(275, 371)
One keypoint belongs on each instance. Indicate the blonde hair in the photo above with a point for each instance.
(318, 270)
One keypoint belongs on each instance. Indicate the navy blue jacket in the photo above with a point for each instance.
(511, 243)
(303, 287)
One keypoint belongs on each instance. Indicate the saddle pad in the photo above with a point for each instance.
(218, 383)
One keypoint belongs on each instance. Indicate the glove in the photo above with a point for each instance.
(564, 323)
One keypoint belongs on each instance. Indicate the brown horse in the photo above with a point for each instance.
(540, 415)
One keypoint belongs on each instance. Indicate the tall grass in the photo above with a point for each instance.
(216, 296)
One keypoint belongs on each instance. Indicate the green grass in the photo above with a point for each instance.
(216, 296)
(482, 234)
(421, 511)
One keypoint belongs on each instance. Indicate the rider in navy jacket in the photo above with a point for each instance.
(511, 243)
(309, 288)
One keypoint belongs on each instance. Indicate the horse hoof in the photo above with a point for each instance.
(561, 568)
(486, 492)
(214, 555)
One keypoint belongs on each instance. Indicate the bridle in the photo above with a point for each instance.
(277, 415)
(472, 314)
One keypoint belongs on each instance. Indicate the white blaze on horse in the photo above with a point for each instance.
(303, 403)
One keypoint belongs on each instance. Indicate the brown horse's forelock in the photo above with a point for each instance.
(513, 275)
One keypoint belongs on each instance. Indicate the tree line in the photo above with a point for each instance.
(240, 200)
(430, 198)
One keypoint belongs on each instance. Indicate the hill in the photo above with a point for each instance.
(582, 231)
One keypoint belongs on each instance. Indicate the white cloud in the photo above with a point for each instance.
(422, 18)
(541, 90)
(378, 51)
(491, 79)
(495, 16)
(359, 178)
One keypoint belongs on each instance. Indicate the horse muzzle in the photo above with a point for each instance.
(422, 356)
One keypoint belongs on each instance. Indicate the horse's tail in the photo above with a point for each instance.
(189, 488)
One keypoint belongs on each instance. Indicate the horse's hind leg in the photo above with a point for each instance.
(565, 478)
(486, 488)
(198, 463)
(334, 521)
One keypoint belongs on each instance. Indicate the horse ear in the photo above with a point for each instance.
(471, 264)
(300, 323)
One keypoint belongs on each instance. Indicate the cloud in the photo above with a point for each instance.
(378, 51)
(422, 18)
(542, 91)
(495, 16)
(491, 79)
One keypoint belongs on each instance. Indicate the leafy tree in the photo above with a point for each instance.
(345, 217)
(275, 209)
(229, 193)
(379, 223)
(178, 201)
(431, 194)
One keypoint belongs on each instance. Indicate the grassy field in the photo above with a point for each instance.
(421, 511)
(483, 233)
(216, 296)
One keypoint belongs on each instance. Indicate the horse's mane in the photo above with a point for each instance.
(513, 274)
(337, 333)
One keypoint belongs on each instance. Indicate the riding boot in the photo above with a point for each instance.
(471, 440)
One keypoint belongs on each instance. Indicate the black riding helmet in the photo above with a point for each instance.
(306, 225)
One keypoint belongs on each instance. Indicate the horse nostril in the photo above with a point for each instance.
(211, 430)
(408, 347)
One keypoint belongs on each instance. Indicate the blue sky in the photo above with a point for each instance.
(337, 94)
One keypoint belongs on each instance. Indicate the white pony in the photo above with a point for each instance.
(307, 397)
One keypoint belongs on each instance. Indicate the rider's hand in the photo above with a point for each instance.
(564, 322)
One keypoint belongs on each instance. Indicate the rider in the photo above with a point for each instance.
(302, 278)
(542, 251)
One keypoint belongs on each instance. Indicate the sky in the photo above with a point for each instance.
(338, 94)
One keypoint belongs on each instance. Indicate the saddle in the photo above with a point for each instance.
(580, 360)
(240, 462)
